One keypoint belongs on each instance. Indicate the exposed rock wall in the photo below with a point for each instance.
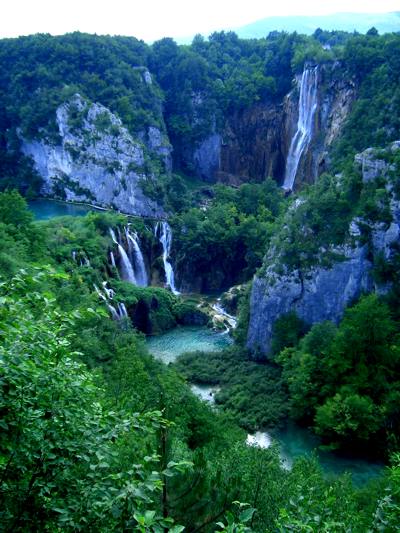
(324, 293)
(97, 160)
(335, 98)
(253, 143)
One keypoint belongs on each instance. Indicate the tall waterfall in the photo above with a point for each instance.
(127, 272)
(137, 256)
(165, 237)
(301, 139)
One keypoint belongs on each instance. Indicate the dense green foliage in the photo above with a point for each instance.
(374, 121)
(250, 392)
(89, 450)
(96, 434)
(201, 85)
(345, 380)
(223, 242)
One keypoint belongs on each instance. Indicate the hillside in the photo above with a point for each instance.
(349, 22)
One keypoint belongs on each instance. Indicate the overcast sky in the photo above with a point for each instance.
(153, 19)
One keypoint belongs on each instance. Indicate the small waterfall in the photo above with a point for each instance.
(109, 292)
(122, 312)
(137, 256)
(117, 313)
(127, 272)
(112, 258)
(166, 241)
(230, 319)
(301, 139)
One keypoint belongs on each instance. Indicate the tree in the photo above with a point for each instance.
(67, 461)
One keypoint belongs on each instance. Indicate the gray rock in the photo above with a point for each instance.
(97, 160)
(207, 157)
(158, 143)
(372, 166)
(323, 293)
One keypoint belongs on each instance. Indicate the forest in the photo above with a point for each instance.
(97, 435)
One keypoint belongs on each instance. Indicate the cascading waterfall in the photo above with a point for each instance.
(307, 106)
(112, 258)
(127, 272)
(117, 313)
(165, 237)
(230, 319)
(137, 256)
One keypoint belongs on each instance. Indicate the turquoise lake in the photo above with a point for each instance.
(46, 209)
(170, 345)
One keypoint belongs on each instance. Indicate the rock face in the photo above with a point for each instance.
(253, 143)
(324, 293)
(207, 157)
(97, 160)
(335, 97)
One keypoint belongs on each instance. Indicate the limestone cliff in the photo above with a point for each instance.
(97, 160)
(253, 143)
(323, 292)
(335, 96)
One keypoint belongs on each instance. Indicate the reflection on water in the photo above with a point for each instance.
(170, 345)
(46, 209)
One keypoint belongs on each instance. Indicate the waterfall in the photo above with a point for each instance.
(137, 256)
(109, 292)
(122, 312)
(112, 258)
(117, 313)
(127, 272)
(230, 319)
(301, 139)
(166, 241)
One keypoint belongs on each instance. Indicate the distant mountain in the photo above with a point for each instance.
(361, 22)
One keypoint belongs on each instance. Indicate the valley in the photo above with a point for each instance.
(200, 290)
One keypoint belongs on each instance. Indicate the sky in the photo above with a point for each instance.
(153, 19)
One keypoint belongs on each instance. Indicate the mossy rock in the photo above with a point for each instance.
(188, 314)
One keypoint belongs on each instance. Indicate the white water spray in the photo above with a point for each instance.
(307, 106)
(127, 272)
(117, 313)
(165, 238)
(137, 256)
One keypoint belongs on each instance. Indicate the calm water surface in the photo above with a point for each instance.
(46, 209)
(170, 345)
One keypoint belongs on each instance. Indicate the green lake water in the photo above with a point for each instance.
(46, 209)
(170, 345)
(293, 441)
